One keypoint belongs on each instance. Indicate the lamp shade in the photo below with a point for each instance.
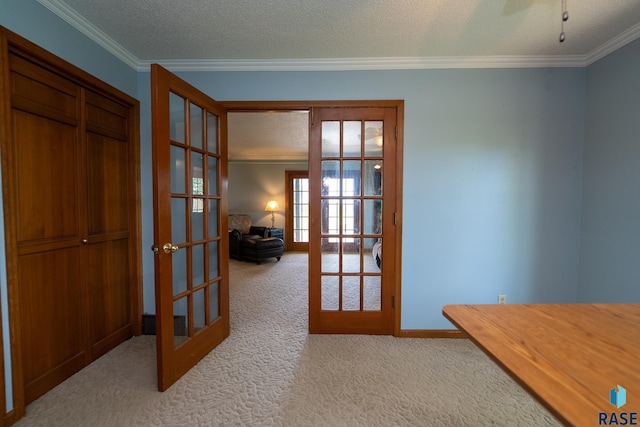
(272, 205)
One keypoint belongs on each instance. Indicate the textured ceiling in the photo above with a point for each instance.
(157, 30)
(345, 34)
(268, 135)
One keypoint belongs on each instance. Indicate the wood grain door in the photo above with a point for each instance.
(110, 199)
(190, 224)
(70, 194)
(70, 177)
(49, 190)
(352, 180)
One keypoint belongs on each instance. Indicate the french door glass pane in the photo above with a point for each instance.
(197, 219)
(351, 178)
(351, 293)
(370, 265)
(372, 293)
(196, 126)
(330, 293)
(372, 216)
(176, 114)
(212, 133)
(214, 302)
(197, 174)
(330, 255)
(212, 212)
(352, 139)
(351, 255)
(199, 310)
(179, 271)
(330, 139)
(178, 181)
(212, 174)
(181, 321)
(330, 178)
(178, 220)
(214, 271)
(373, 177)
(197, 265)
(350, 216)
(373, 138)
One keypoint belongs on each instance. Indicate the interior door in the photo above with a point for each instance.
(352, 202)
(190, 224)
(297, 208)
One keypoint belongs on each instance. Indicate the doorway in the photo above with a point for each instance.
(392, 275)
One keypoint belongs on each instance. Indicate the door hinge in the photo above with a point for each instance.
(396, 133)
(395, 218)
(311, 116)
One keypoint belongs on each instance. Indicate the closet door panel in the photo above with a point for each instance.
(47, 179)
(109, 295)
(107, 169)
(108, 209)
(52, 318)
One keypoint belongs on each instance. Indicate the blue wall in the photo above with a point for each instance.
(33, 21)
(492, 176)
(610, 249)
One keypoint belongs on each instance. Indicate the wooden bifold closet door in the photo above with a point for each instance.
(71, 207)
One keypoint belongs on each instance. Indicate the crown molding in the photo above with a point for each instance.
(80, 23)
(350, 64)
(614, 44)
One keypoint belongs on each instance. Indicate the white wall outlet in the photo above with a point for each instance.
(502, 299)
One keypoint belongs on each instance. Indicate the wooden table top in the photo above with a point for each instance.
(568, 356)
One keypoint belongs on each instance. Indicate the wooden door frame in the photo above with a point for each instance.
(11, 42)
(290, 175)
(257, 106)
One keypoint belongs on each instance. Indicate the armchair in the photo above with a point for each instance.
(251, 242)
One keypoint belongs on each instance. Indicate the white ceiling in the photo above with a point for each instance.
(353, 34)
(187, 35)
(281, 135)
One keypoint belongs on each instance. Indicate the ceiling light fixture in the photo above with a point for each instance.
(565, 18)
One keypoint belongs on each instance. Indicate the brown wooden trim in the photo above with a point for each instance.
(5, 117)
(10, 418)
(135, 220)
(306, 105)
(430, 333)
(10, 224)
(398, 201)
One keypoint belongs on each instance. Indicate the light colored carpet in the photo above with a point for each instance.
(270, 372)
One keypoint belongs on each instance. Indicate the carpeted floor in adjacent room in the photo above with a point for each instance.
(270, 372)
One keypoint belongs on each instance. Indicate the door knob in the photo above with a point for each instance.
(169, 248)
(84, 241)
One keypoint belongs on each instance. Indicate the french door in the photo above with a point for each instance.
(352, 192)
(297, 206)
(190, 224)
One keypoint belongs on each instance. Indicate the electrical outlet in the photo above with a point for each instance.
(502, 299)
